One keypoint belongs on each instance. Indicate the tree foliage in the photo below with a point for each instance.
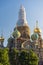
(4, 59)
(15, 57)
(28, 58)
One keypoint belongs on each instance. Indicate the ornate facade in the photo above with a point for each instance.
(21, 38)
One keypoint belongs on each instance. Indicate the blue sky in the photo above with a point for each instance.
(9, 15)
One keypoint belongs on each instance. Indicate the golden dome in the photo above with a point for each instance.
(25, 31)
(37, 30)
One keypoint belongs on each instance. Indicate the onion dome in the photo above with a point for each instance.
(37, 29)
(34, 36)
(22, 17)
(16, 33)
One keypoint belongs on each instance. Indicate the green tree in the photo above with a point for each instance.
(1, 64)
(28, 58)
(4, 59)
(33, 58)
(22, 58)
(15, 57)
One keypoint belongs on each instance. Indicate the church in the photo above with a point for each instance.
(21, 37)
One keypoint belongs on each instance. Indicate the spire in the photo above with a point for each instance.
(22, 17)
(22, 13)
(37, 24)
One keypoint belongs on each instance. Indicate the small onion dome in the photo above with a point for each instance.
(10, 39)
(37, 30)
(16, 34)
(1, 39)
(34, 36)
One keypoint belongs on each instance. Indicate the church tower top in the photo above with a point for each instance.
(22, 17)
(37, 29)
(22, 12)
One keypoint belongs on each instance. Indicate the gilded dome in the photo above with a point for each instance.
(37, 30)
(25, 31)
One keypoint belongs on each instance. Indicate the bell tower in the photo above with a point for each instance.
(22, 24)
